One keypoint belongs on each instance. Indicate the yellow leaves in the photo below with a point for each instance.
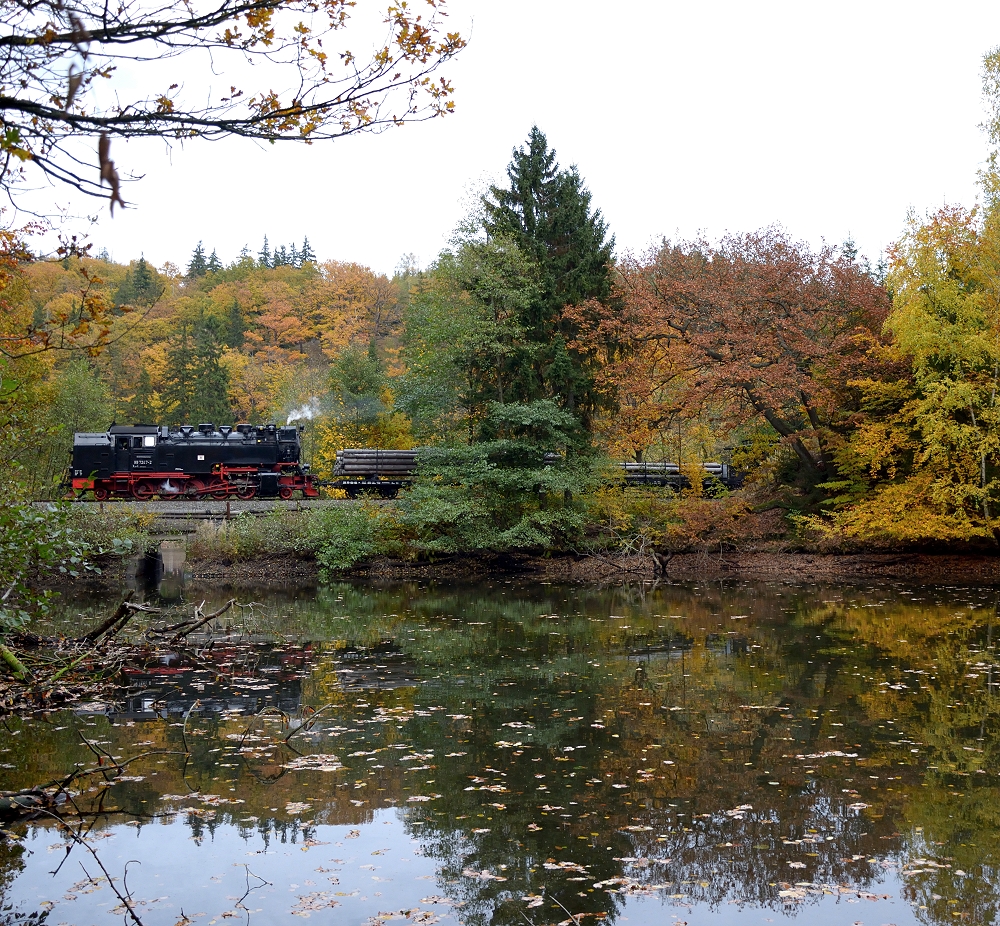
(10, 142)
(260, 20)
(916, 510)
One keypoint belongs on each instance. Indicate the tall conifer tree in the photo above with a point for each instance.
(210, 393)
(264, 258)
(546, 212)
(198, 265)
(178, 384)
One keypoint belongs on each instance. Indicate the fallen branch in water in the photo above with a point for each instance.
(16, 666)
(117, 621)
(76, 835)
(195, 623)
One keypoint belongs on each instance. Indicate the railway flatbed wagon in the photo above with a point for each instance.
(368, 471)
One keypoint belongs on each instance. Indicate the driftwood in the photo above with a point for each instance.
(106, 626)
(660, 561)
(15, 804)
(117, 621)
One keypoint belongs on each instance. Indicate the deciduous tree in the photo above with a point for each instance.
(59, 58)
(924, 461)
(759, 324)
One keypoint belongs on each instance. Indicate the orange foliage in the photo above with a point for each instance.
(758, 325)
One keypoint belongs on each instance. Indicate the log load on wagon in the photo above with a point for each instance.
(368, 471)
(149, 461)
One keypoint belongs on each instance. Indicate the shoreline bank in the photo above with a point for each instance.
(977, 569)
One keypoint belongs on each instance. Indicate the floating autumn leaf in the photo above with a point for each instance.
(319, 762)
(310, 903)
(484, 875)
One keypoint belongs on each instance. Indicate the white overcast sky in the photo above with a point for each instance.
(830, 118)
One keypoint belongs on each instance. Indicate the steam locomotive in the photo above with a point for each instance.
(148, 461)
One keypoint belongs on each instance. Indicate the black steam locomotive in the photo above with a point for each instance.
(146, 461)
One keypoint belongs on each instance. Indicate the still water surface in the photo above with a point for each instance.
(508, 754)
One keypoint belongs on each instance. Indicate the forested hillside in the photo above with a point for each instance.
(859, 397)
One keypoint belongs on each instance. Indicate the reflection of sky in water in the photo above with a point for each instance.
(378, 866)
(765, 751)
(207, 879)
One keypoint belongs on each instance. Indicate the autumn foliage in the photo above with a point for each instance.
(756, 326)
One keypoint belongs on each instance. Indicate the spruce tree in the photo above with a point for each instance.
(145, 285)
(178, 384)
(306, 255)
(214, 265)
(280, 257)
(264, 258)
(294, 258)
(140, 407)
(235, 327)
(141, 285)
(210, 392)
(546, 212)
(198, 265)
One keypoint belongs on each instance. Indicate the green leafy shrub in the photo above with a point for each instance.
(114, 531)
(348, 535)
(37, 542)
(517, 488)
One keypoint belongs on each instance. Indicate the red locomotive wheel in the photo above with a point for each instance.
(143, 491)
(246, 493)
(101, 495)
(286, 492)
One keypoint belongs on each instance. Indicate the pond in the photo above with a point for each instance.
(504, 753)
